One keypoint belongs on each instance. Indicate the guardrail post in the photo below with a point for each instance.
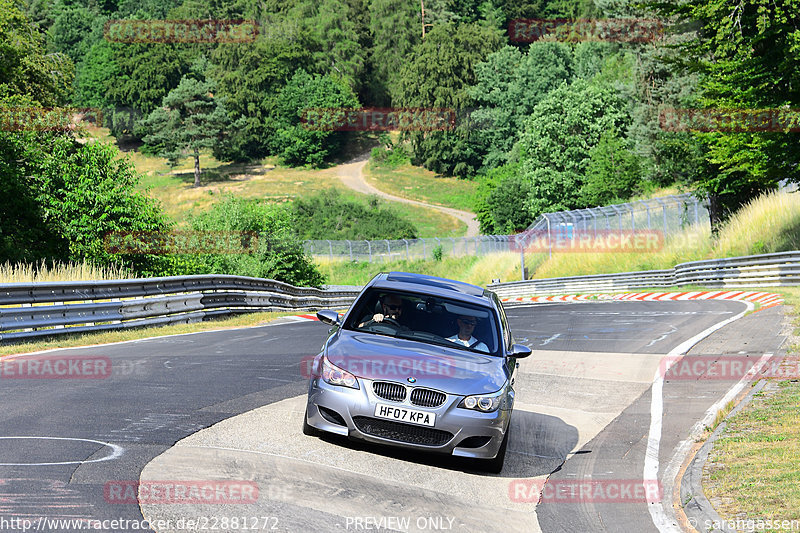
(388, 248)
(350, 244)
(369, 247)
(424, 251)
(330, 248)
(405, 241)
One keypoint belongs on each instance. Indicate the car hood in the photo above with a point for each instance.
(451, 370)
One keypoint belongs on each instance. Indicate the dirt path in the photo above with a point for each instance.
(352, 175)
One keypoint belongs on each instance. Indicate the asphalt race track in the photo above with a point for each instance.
(228, 405)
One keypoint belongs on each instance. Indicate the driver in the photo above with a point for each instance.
(466, 325)
(392, 306)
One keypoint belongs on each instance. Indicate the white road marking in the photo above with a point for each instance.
(658, 512)
(551, 339)
(116, 451)
(664, 336)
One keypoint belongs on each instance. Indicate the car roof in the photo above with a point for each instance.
(435, 286)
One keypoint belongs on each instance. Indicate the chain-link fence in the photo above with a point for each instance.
(662, 216)
(390, 250)
(669, 214)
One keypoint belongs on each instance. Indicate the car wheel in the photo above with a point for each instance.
(495, 466)
(309, 430)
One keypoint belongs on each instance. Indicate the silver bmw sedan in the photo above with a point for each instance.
(418, 362)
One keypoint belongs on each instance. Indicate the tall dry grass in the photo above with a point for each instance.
(692, 244)
(43, 271)
(769, 223)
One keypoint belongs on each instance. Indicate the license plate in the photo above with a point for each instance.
(401, 414)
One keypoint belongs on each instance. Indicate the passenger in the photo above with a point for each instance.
(466, 325)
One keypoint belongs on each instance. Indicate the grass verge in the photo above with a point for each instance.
(751, 473)
(417, 183)
(89, 339)
(752, 469)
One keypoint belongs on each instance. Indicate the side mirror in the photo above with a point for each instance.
(519, 351)
(326, 316)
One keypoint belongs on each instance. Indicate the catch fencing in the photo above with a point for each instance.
(30, 310)
(668, 215)
(391, 250)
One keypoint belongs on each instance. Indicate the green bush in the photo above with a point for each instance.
(392, 157)
(277, 253)
(68, 196)
(331, 216)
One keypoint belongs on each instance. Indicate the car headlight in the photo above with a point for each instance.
(336, 376)
(485, 403)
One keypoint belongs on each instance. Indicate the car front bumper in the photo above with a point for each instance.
(471, 433)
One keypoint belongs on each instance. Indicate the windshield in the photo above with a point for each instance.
(427, 319)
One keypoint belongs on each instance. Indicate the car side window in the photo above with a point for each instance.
(504, 321)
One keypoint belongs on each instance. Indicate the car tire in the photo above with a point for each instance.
(308, 429)
(495, 466)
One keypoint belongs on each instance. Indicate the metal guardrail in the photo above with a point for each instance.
(30, 310)
(766, 270)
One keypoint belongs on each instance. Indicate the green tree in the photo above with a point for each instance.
(438, 75)
(75, 29)
(296, 142)
(613, 173)
(250, 78)
(501, 204)
(25, 69)
(145, 74)
(747, 56)
(68, 196)
(189, 120)
(394, 29)
(509, 85)
(558, 137)
(339, 33)
(94, 74)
